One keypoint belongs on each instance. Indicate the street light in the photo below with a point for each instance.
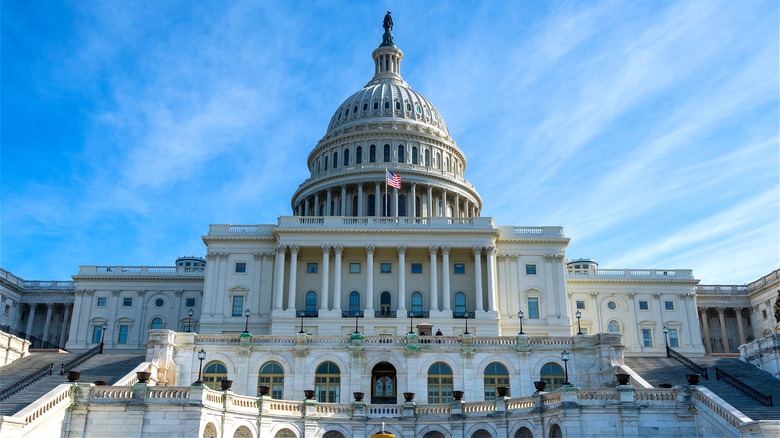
(103, 327)
(520, 316)
(190, 312)
(411, 322)
(666, 340)
(357, 315)
(247, 312)
(201, 356)
(565, 359)
(301, 331)
(579, 328)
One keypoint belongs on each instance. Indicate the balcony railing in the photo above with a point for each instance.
(463, 315)
(351, 313)
(384, 314)
(418, 314)
(743, 387)
(307, 313)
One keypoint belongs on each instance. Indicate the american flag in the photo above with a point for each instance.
(393, 180)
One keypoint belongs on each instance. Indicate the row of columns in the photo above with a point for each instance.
(435, 205)
(727, 347)
(46, 332)
(490, 255)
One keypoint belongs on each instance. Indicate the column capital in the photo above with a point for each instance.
(720, 310)
(370, 249)
(259, 255)
(281, 249)
(445, 249)
(477, 251)
(49, 305)
(433, 250)
(490, 250)
(294, 249)
(401, 249)
(178, 292)
(325, 249)
(223, 255)
(211, 256)
(548, 258)
(114, 292)
(338, 249)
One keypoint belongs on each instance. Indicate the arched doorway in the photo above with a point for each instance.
(555, 431)
(383, 384)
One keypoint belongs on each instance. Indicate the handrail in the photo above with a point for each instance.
(81, 358)
(34, 341)
(26, 381)
(743, 387)
(693, 366)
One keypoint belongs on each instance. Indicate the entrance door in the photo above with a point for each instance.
(383, 384)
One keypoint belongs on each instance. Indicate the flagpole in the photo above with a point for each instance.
(385, 192)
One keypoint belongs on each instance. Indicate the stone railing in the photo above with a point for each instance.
(343, 222)
(141, 271)
(639, 274)
(538, 232)
(765, 280)
(36, 284)
(716, 289)
(50, 409)
(764, 353)
(12, 348)
(704, 398)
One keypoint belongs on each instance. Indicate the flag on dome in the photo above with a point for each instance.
(393, 180)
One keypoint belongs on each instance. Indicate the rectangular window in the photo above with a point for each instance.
(127, 302)
(123, 331)
(763, 313)
(580, 305)
(385, 268)
(644, 305)
(530, 269)
(238, 306)
(354, 268)
(311, 267)
(647, 337)
(416, 268)
(459, 268)
(674, 341)
(102, 301)
(240, 267)
(669, 305)
(7, 309)
(533, 308)
(190, 302)
(97, 332)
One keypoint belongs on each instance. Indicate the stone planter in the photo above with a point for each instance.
(408, 396)
(143, 376)
(457, 395)
(623, 378)
(540, 386)
(693, 379)
(265, 390)
(309, 394)
(358, 396)
(503, 391)
(225, 384)
(74, 376)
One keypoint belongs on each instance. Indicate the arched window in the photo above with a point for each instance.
(327, 383)
(481, 433)
(446, 164)
(414, 154)
(384, 304)
(372, 154)
(460, 302)
(354, 205)
(354, 302)
(326, 164)
(317, 167)
(285, 433)
(335, 160)
(156, 324)
(524, 432)
(613, 327)
(552, 373)
(437, 161)
(401, 205)
(242, 432)
(439, 383)
(401, 154)
(311, 302)
(496, 375)
(371, 205)
(386, 155)
(346, 157)
(214, 373)
(210, 431)
(359, 155)
(417, 302)
(555, 431)
(427, 158)
(272, 376)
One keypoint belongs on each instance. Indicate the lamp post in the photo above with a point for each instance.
(103, 328)
(578, 314)
(411, 322)
(565, 359)
(201, 356)
(520, 315)
(301, 331)
(247, 312)
(357, 314)
(666, 340)
(190, 312)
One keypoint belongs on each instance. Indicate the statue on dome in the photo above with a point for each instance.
(388, 22)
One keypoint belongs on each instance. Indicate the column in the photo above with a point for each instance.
(369, 280)
(30, 318)
(316, 204)
(740, 327)
(477, 251)
(293, 283)
(377, 200)
(328, 203)
(337, 292)
(65, 321)
(706, 329)
(456, 208)
(401, 282)
(430, 201)
(443, 203)
(395, 202)
(723, 333)
(490, 255)
(413, 198)
(360, 211)
(325, 277)
(445, 278)
(434, 288)
(343, 211)
(279, 276)
(306, 207)
(47, 324)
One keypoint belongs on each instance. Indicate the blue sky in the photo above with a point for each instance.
(647, 129)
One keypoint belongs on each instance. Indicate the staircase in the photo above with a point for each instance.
(108, 367)
(660, 370)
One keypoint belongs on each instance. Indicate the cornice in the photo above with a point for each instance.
(237, 238)
(486, 232)
(633, 280)
(193, 278)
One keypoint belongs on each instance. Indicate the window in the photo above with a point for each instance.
(190, 302)
(533, 308)
(311, 267)
(240, 267)
(647, 337)
(414, 155)
(376, 105)
(644, 305)
(387, 104)
(354, 302)
(401, 154)
(213, 374)
(384, 304)
(156, 324)
(7, 309)
(496, 375)
(763, 314)
(427, 156)
(459, 268)
(102, 301)
(272, 375)
(354, 268)
(372, 154)
(238, 306)
(159, 302)
(326, 164)
(311, 302)
(397, 105)
(346, 157)
(439, 383)
(371, 205)
(552, 373)
(97, 333)
(530, 269)
(612, 305)
(123, 331)
(674, 340)
(580, 305)
(460, 302)
(359, 155)
(127, 302)
(385, 268)
(417, 302)
(669, 305)
(416, 268)
(613, 327)
(386, 155)
(327, 383)
(365, 107)
(335, 160)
